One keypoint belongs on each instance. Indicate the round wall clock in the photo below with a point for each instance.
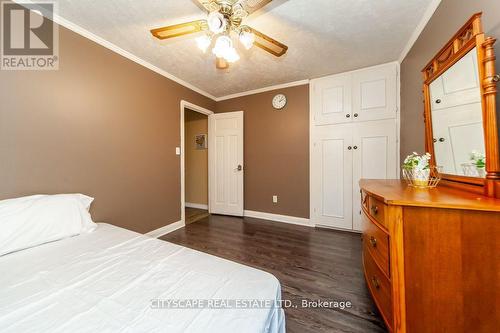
(279, 101)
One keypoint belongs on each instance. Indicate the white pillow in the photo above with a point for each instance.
(33, 220)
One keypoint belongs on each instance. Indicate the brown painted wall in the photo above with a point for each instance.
(101, 125)
(196, 160)
(448, 18)
(276, 151)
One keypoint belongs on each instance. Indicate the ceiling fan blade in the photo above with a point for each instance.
(251, 6)
(209, 5)
(180, 29)
(267, 43)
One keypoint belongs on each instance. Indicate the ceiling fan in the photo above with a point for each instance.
(224, 21)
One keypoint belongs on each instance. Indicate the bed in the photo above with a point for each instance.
(113, 279)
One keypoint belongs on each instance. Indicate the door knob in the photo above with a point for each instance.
(240, 167)
(349, 148)
(434, 140)
(348, 115)
(355, 115)
(438, 101)
(355, 147)
(441, 139)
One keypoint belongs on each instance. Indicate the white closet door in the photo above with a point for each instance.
(331, 176)
(331, 99)
(375, 93)
(375, 157)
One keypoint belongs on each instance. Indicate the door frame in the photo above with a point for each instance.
(202, 110)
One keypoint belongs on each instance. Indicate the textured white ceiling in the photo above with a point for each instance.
(324, 37)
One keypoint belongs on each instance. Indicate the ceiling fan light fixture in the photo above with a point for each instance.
(216, 22)
(203, 42)
(220, 29)
(247, 39)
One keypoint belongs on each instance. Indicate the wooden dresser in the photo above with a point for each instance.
(432, 257)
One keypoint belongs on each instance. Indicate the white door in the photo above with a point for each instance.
(331, 99)
(331, 176)
(375, 157)
(374, 93)
(226, 163)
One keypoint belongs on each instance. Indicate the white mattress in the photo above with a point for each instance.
(105, 281)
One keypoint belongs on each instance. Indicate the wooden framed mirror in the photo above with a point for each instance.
(460, 85)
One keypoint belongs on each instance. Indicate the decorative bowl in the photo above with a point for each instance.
(427, 178)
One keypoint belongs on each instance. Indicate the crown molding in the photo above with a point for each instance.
(101, 41)
(420, 27)
(260, 90)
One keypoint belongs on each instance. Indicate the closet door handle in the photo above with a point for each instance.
(355, 147)
(438, 101)
(355, 115)
(348, 115)
(349, 148)
(441, 139)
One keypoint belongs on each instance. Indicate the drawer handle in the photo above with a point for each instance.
(376, 283)
(373, 241)
(374, 210)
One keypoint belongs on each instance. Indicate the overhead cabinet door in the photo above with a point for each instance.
(331, 99)
(374, 93)
(367, 94)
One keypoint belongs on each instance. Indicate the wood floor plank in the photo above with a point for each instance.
(311, 264)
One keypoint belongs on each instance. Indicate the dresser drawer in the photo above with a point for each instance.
(379, 285)
(377, 242)
(377, 210)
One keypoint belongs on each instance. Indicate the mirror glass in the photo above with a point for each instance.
(457, 122)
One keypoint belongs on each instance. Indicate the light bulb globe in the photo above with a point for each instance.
(216, 22)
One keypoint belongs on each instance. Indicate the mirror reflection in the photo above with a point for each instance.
(457, 123)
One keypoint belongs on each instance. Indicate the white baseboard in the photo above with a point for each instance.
(195, 205)
(278, 218)
(166, 229)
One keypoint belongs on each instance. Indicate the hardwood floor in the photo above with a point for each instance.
(195, 214)
(311, 264)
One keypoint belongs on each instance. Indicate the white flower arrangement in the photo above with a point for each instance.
(417, 162)
(416, 169)
(478, 159)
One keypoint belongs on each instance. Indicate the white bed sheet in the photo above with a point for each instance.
(104, 282)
